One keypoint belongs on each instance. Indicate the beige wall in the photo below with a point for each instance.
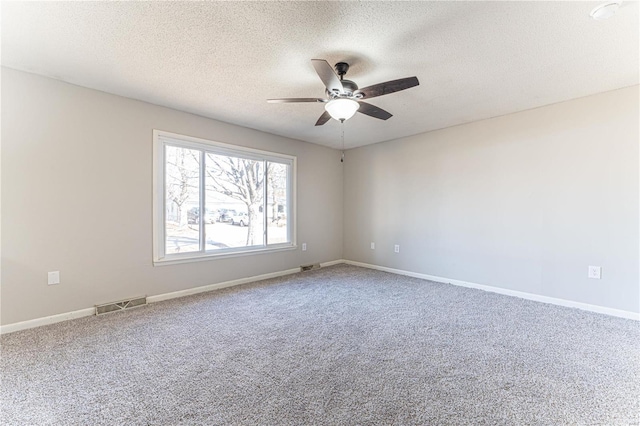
(524, 202)
(77, 197)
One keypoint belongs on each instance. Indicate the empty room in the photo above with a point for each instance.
(320, 213)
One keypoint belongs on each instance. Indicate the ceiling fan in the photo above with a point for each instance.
(344, 98)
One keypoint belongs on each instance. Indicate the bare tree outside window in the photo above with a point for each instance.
(243, 180)
(277, 203)
(182, 179)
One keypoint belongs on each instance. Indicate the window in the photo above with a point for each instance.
(213, 199)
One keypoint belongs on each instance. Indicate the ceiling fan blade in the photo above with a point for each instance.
(323, 119)
(290, 100)
(327, 75)
(389, 87)
(374, 111)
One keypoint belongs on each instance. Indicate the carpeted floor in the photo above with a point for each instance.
(338, 346)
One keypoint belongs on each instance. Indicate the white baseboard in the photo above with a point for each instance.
(529, 296)
(333, 262)
(24, 325)
(38, 322)
(217, 286)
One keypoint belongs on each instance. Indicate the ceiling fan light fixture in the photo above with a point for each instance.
(605, 10)
(342, 109)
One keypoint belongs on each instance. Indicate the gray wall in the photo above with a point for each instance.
(77, 197)
(524, 202)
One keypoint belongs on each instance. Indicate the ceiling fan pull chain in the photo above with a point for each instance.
(342, 125)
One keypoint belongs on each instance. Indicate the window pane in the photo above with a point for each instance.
(182, 183)
(234, 190)
(277, 203)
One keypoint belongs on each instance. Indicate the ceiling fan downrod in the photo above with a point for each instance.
(341, 69)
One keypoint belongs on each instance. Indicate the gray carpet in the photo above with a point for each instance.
(338, 346)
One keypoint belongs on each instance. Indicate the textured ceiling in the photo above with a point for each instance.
(222, 60)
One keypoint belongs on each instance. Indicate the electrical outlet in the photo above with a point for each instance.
(595, 272)
(396, 248)
(373, 246)
(53, 278)
(304, 246)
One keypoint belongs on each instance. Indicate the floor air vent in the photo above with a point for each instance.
(312, 267)
(119, 306)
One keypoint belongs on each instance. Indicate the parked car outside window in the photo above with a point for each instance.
(226, 214)
(210, 216)
(241, 219)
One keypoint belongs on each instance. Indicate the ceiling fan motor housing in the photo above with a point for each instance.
(349, 88)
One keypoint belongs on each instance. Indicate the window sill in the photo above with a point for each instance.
(189, 258)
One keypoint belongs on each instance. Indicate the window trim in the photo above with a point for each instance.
(160, 139)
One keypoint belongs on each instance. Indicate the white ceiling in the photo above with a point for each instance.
(222, 60)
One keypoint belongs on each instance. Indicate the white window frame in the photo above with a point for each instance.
(160, 140)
